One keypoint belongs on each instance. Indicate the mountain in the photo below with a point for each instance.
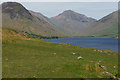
(105, 27)
(71, 22)
(68, 23)
(16, 16)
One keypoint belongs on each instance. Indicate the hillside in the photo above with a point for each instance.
(15, 16)
(105, 27)
(41, 16)
(24, 57)
(71, 22)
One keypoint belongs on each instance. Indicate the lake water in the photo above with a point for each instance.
(100, 43)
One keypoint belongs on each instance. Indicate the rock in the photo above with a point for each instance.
(97, 63)
(105, 51)
(100, 51)
(103, 67)
(108, 73)
(114, 77)
(103, 72)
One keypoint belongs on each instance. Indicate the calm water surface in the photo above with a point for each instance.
(100, 43)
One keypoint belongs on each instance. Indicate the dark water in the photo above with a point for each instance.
(100, 43)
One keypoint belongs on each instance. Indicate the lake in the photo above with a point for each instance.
(100, 43)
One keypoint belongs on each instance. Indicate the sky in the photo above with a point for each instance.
(92, 8)
(62, 0)
(95, 10)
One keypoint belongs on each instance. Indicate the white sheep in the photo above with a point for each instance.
(114, 66)
(54, 53)
(80, 58)
(95, 50)
(73, 53)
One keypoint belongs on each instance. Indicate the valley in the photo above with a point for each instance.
(26, 55)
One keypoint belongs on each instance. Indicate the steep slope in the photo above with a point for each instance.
(71, 22)
(39, 15)
(17, 17)
(42, 17)
(105, 27)
(9, 35)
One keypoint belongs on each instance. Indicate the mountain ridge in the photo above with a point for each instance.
(17, 17)
(66, 24)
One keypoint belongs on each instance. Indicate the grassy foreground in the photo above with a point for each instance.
(30, 58)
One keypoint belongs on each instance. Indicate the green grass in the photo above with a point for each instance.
(23, 58)
(109, 32)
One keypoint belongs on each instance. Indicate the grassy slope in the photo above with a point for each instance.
(23, 58)
(108, 25)
(111, 32)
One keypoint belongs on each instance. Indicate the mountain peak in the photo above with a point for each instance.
(15, 10)
(69, 14)
(68, 11)
(10, 4)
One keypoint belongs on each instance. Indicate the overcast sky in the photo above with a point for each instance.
(92, 9)
(96, 10)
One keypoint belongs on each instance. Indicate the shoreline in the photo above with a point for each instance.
(77, 45)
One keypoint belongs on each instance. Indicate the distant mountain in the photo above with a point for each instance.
(71, 22)
(105, 27)
(68, 23)
(17, 17)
